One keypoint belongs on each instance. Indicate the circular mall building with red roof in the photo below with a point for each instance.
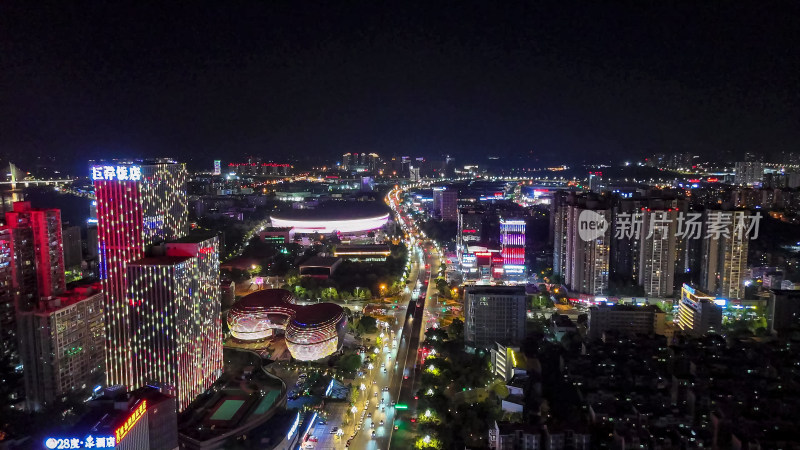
(311, 331)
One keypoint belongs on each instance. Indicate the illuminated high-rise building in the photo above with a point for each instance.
(583, 252)
(512, 235)
(31, 268)
(724, 255)
(8, 323)
(138, 204)
(62, 345)
(698, 312)
(445, 203)
(204, 338)
(38, 270)
(657, 251)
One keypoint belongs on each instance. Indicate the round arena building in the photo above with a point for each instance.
(311, 332)
(334, 216)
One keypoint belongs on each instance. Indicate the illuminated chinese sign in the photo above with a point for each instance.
(59, 443)
(132, 420)
(119, 173)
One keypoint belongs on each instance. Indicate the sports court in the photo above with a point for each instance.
(227, 409)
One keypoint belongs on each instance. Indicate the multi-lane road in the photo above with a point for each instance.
(371, 420)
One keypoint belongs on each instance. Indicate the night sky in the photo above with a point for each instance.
(561, 81)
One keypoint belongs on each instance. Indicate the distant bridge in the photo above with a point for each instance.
(17, 180)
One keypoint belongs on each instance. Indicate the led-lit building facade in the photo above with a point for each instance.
(360, 162)
(62, 345)
(38, 271)
(176, 334)
(31, 268)
(137, 205)
(206, 306)
(470, 230)
(512, 239)
(312, 332)
(322, 226)
(698, 312)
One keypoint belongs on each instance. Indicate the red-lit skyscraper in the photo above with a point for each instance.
(38, 271)
(138, 205)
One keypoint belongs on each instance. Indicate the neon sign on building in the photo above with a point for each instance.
(59, 443)
(132, 420)
(119, 173)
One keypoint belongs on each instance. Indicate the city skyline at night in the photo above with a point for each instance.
(379, 226)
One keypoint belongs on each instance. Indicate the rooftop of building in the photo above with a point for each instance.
(110, 410)
(495, 290)
(369, 248)
(561, 320)
(631, 308)
(321, 261)
(140, 162)
(283, 299)
(511, 427)
(194, 237)
(160, 260)
(70, 297)
(335, 210)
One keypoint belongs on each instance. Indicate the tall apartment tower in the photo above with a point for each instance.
(749, 173)
(31, 268)
(657, 252)
(625, 245)
(724, 255)
(445, 203)
(39, 253)
(137, 205)
(558, 230)
(585, 261)
(62, 345)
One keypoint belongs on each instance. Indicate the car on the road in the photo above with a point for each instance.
(381, 423)
(369, 415)
(334, 430)
(373, 434)
(372, 425)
